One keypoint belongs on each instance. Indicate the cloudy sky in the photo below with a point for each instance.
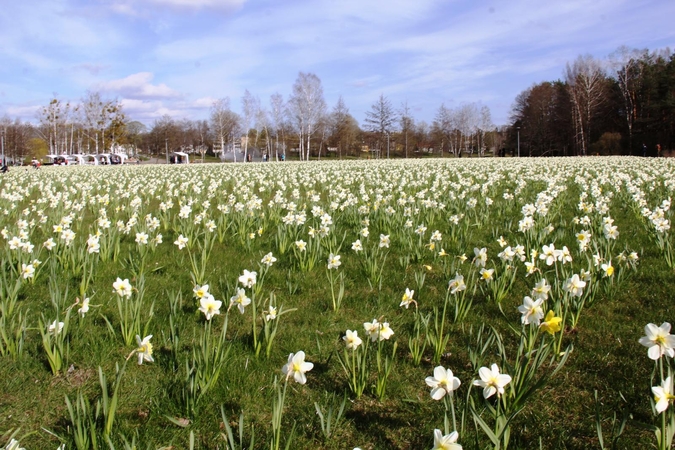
(176, 57)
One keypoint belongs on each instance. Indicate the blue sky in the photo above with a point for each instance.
(176, 57)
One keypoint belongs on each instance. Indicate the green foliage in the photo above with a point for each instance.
(206, 376)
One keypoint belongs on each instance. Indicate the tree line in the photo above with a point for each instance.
(619, 105)
(624, 104)
(301, 126)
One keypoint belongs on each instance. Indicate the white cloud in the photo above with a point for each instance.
(147, 111)
(25, 112)
(198, 4)
(139, 86)
(148, 8)
(423, 51)
(204, 102)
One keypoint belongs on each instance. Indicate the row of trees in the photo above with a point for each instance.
(600, 106)
(303, 124)
(612, 106)
(617, 105)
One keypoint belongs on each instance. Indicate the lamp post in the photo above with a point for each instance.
(2, 140)
(518, 128)
(166, 145)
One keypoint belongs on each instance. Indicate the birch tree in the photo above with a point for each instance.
(262, 125)
(249, 106)
(54, 119)
(339, 122)
(380, 119)
(484, 125)
(467, 119)
(407, 124)
(586, 83)
(101, 118)
(224, 123)
(628, 65)
(443, 128)
(306, 108)
(277, 118)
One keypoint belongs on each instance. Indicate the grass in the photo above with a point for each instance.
(606, 357)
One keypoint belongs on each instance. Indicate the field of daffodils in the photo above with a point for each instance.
(427, 304)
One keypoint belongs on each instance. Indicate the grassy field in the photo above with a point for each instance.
(419, 225)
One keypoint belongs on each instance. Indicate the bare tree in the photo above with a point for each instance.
(224, 123)
(54, 120)
(101, 118)
(249, 106)
(407, 124)
(135, 131)
(586, 83)
(443, 127)
(165, 136)
(484, 124)
(16, 137)
(306, 107)
(262, 125)
(629, 65)
(422, 134)
(467, 123)
(339, 121)
(277, 118)
(380, 119)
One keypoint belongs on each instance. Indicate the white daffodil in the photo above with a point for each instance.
(531, 311)
(407, 298)
(200, 291)
(378, 331)
(248, 279)
(13, 444)
(27, 271)
(49, 244)
(271, 313)
(372, 328)
(296, 367)
(446, 442)
(549, 254)
(93, 245)
(122, 287)
(352, 339)
(333, 261)
(268, 260)
(480, 258)
(565, 256)
(663, 395)
(209, 306)
(659, 341)
(55, 328)
(574, 285)
(443, 382)
(608, 269)
(541, 289)
(241, 300)
(492, 381)
(181, 242)
(487, 275)
(457, 284)
(144, 350)
(142, 238)
(84, 308)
